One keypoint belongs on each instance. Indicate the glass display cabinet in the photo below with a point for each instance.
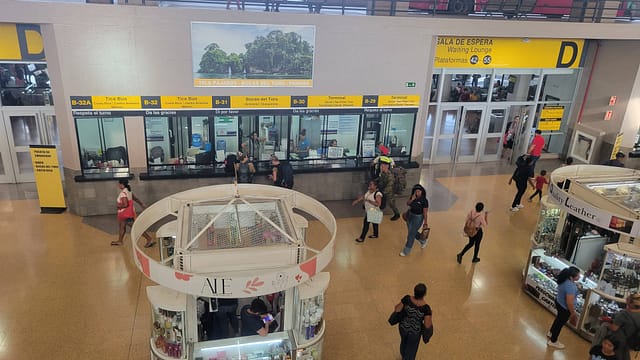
(546, 233)
(599, 308)
(624, 193)
(309, 324)
(620, 271)
(276, 346)
(168, 309)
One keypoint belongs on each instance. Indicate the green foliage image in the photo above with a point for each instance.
(275, 56)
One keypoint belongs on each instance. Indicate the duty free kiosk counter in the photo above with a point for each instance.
(236, 242)
(588, 220)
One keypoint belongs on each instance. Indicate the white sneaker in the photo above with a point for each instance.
(520, 206)
(557, 344)
(514, 209)
(402, 253)
(549, 334)
(423, 244)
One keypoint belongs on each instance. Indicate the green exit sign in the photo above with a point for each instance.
(410, 84)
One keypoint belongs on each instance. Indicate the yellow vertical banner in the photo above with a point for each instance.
(48, 181)
(616, 146)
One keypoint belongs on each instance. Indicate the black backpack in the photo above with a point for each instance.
(287, 175)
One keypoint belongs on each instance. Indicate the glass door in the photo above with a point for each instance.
(26, 127)
(446, 134)
(492, 133)
(469, 134)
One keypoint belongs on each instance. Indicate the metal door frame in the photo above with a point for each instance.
(485, 134)
(437, 136)
(461, 135)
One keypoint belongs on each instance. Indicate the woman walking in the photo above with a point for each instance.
(416, 216)
(416, 314)
(372, 201)
(565, 304)
(479, 221)
(127, 213)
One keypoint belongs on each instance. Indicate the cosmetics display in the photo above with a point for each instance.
(309, 321)
(276, 346)
(167, 332)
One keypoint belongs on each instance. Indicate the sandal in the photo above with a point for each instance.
(150, 244)
(116, 243)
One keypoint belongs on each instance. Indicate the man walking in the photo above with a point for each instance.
(535, 149)
(385, 184)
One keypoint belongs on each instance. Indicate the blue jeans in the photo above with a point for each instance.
(413, 225)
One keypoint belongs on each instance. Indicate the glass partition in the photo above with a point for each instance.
(466, 87)
(559, 85)
(25, 84)
(515, 85)
(103, 145)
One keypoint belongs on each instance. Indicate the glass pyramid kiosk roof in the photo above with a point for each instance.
(235, 240)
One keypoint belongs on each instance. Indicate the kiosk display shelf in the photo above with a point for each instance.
(598, 307)
(550, 214)
(168, 309)
(540, 279)
(621, 271)
(275, 346)
(309, 325)
(625, 193)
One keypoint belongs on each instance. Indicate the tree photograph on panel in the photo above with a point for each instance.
(236, 52)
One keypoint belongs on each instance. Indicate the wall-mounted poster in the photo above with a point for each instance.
(582, 147)
(252, 55)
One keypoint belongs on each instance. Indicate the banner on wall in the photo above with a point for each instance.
(616, 146)
(46, 169)
(508, 53)
(21, 42)
(252, 55)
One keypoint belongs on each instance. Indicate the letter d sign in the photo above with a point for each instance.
(573, 47)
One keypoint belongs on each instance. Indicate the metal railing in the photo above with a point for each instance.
(619, 11)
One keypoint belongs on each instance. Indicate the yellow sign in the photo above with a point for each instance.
(252, 82)
(185, 102)
(263, 101)
(48, 181)
(552, 112)
(616, 146)
(549, 125)
(21, 42)
(116, 102)
(488, 53)
(398, 100)
(335, 101)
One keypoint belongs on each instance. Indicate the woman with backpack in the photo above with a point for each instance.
(626, 326)
(244, 170)
(372, 214)
(476, 221)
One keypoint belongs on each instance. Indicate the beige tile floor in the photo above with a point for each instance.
(67, 294)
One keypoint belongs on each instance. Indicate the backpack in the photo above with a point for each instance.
(287, 175)
(244, 174)
(470, 228)
(400, 179)
(383, 201)
(229, 163)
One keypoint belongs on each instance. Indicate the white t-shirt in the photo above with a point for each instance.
(370, 196)
(125, 193)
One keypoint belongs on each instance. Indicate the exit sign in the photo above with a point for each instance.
(410, 84)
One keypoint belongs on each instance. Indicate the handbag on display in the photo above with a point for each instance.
(374, 215)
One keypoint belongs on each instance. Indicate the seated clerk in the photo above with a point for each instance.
(303, 142)
(254, 319)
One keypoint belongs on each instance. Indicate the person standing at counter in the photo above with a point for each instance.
(566, 300)
(253, 146)
(255, 319)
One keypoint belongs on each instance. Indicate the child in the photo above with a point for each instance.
(540, 181)
(605, 351)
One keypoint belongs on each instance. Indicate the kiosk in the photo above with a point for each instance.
(588, 220)
(230, 244)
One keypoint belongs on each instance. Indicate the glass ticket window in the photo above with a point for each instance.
(175, 141)
(25, 84)
(397, 133)
(227, 138)
(324, 136)
(515, 86)
(264, 135)
(103, 145)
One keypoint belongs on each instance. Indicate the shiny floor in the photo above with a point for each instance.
(67, 294)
